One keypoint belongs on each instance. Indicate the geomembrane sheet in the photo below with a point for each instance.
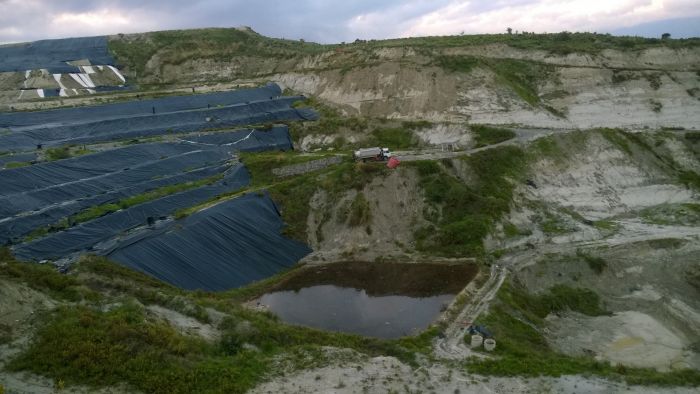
(159, 124)
(226, 246)
(53, 54)
(67, 116)
(85, 236)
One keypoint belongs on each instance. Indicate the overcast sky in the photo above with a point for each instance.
(329, 21)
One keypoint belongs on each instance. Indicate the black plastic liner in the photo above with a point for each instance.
(17, 158)
(229, 245)
(276, 138)
(45, 193)
(92, 166)
(155, 125)
(67, 116)
(53, 54)
(84, 237)
(13, 228)
(35, 199)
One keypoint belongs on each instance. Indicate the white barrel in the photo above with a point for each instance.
(490, 344)
(477, 340)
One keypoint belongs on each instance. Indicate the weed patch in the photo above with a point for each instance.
(486, 135)
(17, 164)
(360, 212)
(596, 264)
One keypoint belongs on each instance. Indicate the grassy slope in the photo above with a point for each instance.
(88, 344)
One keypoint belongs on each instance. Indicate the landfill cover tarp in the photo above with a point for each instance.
(18, 158)
(26, 206)
(35, 199)
(66, 116)
(85, 236)
(13, 228)
(229, 245)
(276, 138)
(156, 125)
(124, 161)
(53, 54)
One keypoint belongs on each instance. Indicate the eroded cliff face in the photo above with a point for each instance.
(658, 87)
(613, 89)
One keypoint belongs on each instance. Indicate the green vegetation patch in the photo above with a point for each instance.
(360, 211)
(42, 277)
(595, 263)
(97, 346)
(260, 165)
(554, 224)
(617, 138)
(178, 46)
(521, 76)
(293, 195)
(672, 214)
(690, 179)
(467, 213)
(87, 346)
(562, 43)
(393, 137)
(17, 164)
(606, 225)
(486, 135)
(510, 230)
(65, 152)
(625, 141)
(666, 243)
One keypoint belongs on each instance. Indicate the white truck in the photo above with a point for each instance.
(372, 154)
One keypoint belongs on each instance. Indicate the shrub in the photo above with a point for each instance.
(596, 264)
(486, 135)
(58, 153)
(360, 211)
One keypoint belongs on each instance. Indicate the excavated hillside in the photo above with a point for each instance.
(561, 171)
(496, 80)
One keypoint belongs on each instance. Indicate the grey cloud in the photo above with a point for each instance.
(314, 20)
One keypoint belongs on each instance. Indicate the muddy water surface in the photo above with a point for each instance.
(382, 300)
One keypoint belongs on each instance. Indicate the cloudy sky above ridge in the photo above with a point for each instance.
(330, 21)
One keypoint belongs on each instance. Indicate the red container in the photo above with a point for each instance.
(393, 162)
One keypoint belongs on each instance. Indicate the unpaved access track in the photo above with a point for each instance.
(452, 345)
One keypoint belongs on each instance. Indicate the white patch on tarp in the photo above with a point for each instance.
(40, 92)
(91, 91)
(84, 80)
(63, 93)
(101, 68)
(114, 69)
(75, 91)
(77, 79)
(88, 81)
(57, 77)
(27, 73)
(89, 70)
(21, 92)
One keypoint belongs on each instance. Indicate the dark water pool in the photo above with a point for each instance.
(373, 299)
